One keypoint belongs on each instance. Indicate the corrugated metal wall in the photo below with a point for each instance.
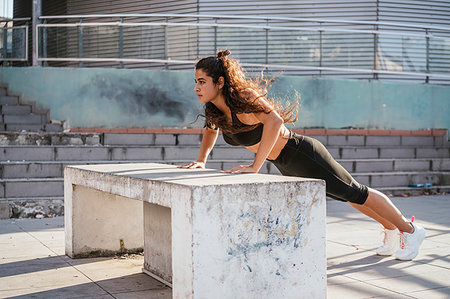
(305, 48)
(407, 53)
(138, 42)
(296, 47)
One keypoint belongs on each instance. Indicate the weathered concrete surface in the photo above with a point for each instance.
(232, 236)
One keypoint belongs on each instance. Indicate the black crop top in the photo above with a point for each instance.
(248, 138)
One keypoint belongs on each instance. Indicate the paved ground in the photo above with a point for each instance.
(33, 265)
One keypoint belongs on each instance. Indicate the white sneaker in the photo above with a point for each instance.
(410, 243)
(391, 242)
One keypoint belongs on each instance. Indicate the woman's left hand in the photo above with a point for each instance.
(242, 169)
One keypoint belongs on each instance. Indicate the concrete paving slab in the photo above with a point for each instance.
(437, 293)
(33, 264)
(360, 290)
(149, 294)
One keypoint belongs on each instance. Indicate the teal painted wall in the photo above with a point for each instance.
(112, 98)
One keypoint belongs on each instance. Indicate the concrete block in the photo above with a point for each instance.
(440, 165)
(337, 140)
(81, 153)
(412, 165)
(93, 140)
(165, 139)
(441, 140)
(16, 109)
(442, 152)
(29, 119)
(399, 153)
(383, 140)
(53, 127)
(418, 140)
(358, 153)
(355, 140)
(33, 188)
(92, 233)
(36, 153)
(389, 180)
(190, 139)
(72, 141)
(32, 170)
(9, 100)
(181, 153)
(128, 139)
(225, 236)
(25, 127)
(231, 153)
(137, 153)
(374, 165)
(426, 177)
(2, 189)
(3, 91)
(4, 210)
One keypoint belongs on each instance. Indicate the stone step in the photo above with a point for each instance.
(26, 119)
(49, 138)
(3, 90)
(44, 187)
(25, 127)
(335, 140)
(408, 191)
(48, 169)
(16, 109)
(9, 100)
(60, 153)
(14, 188)
(164, 139)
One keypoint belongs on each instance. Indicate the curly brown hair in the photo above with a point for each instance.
(238, 91)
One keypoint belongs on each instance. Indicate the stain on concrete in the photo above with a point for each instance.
(137, 98)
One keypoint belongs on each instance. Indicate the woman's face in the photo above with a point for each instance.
(205, 88)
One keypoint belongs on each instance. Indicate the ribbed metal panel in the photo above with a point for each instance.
(284, 45)
(410, 53)
(138, 42)
(22, 9)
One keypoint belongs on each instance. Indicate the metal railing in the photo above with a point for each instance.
(13, 40)
(294, 45)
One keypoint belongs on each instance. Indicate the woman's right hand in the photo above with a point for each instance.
(193, 164)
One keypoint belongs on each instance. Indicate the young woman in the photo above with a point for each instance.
(238, 107)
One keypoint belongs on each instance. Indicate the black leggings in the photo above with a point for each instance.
(304, 156)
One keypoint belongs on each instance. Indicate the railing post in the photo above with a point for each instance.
(320, 48)
(215, 37)
(427, 79)
(375, 52)
(267, 41)
(121, 42)
(37, 10)
(166, 44)
(5, 42)
(44, 43)
(80, 42)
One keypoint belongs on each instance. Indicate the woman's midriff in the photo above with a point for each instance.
(278, 147)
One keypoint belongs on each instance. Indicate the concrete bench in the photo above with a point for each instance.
(204, 233)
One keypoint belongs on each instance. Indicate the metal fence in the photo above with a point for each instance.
(13, 40)
(295, 46)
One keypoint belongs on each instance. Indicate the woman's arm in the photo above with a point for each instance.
(272, 125)
(208, 141)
